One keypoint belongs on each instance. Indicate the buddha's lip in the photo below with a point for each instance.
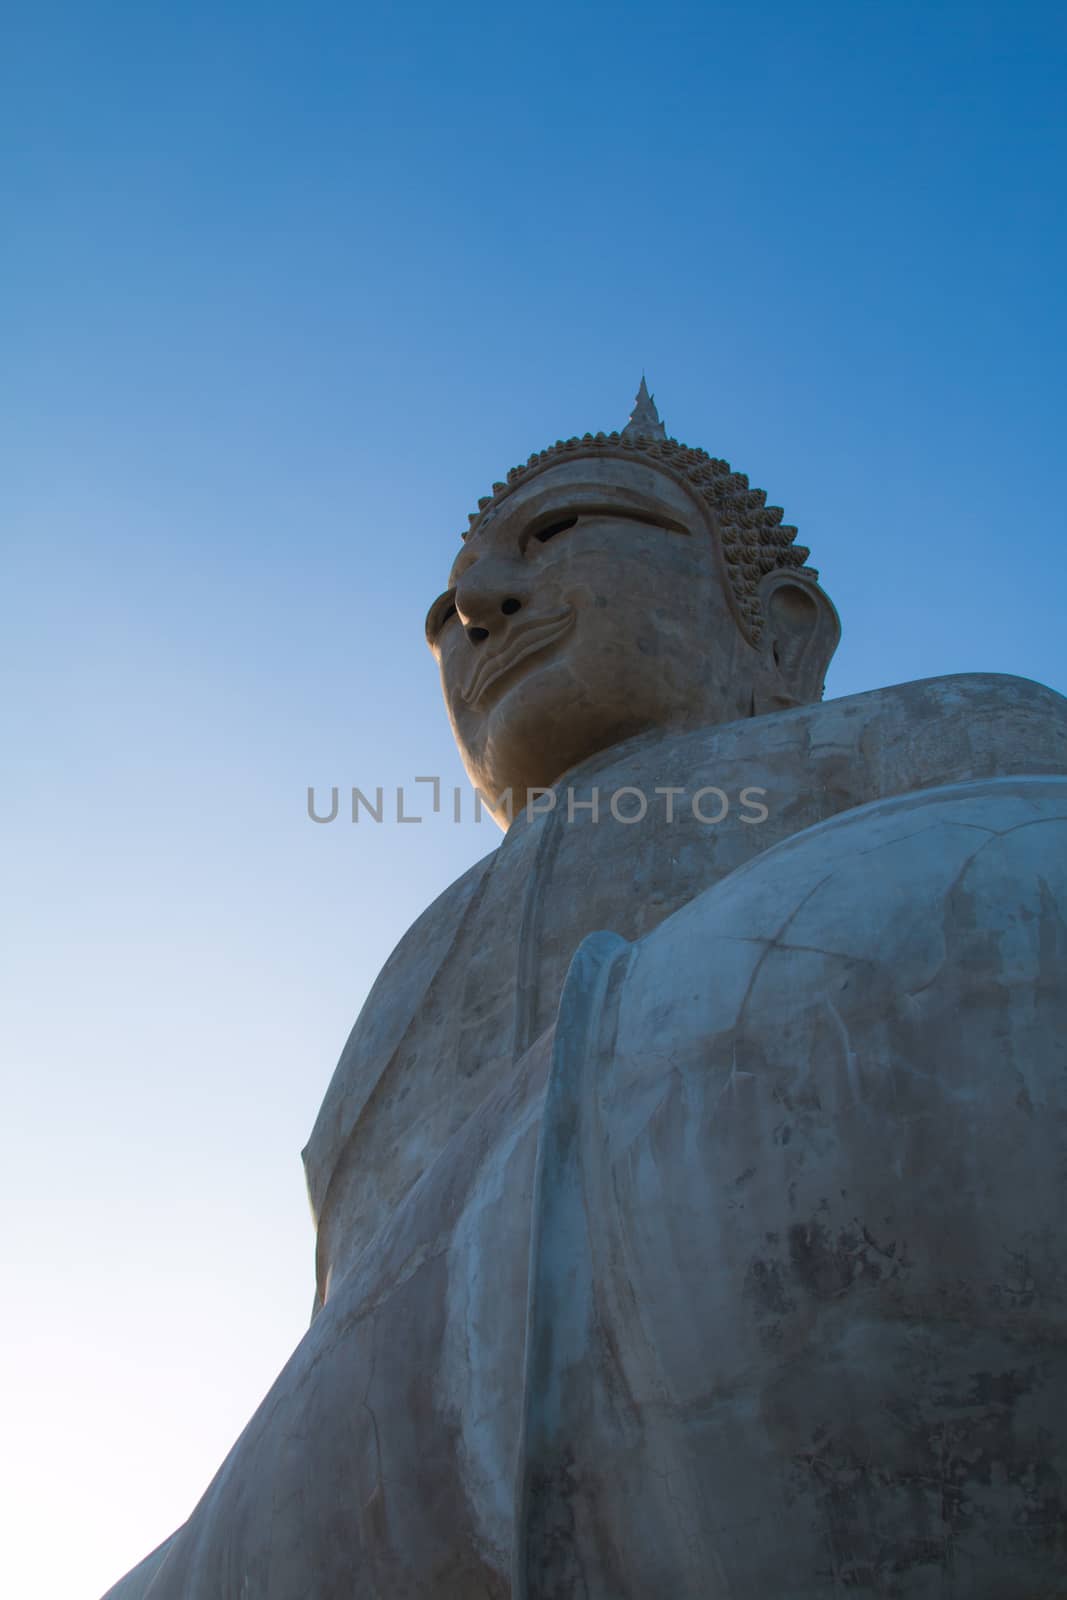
(525, 641)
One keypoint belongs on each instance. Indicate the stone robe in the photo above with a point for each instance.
(769, 1295)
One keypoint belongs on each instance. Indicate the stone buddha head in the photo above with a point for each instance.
(614, 585)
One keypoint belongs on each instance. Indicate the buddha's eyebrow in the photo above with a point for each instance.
(473, 549)
(503, 524)
(514, 522)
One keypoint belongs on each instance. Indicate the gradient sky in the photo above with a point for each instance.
(285, 289)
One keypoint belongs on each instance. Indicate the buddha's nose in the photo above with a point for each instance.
(488, 595)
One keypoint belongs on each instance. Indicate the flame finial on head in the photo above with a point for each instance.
(644, 418)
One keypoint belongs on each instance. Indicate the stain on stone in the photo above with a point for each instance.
(765, 1286)
(1022, 1099)
(1017, 1289)
(827, 1266)
(999, 1388)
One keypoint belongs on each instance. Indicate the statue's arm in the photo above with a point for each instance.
(393, 1000)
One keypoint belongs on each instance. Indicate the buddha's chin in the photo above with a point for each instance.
(532, 740)
(525, 719)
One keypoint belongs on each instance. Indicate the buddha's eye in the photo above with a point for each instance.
(545, 534)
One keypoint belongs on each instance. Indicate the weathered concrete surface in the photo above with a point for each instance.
(829, 1098)
(383, 1462)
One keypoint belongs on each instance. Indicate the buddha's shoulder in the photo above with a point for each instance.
(964, 700)
(960, 696)
(935, 731)
(393, 1000)
(919, 734)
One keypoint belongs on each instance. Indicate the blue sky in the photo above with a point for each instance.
(286, 288)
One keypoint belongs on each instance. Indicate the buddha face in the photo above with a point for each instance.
(588, 607)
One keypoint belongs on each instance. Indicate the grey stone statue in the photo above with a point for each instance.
(690, 1193)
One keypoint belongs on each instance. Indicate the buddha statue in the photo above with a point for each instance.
(690, 1193)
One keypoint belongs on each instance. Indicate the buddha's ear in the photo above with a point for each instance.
(801, 632)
